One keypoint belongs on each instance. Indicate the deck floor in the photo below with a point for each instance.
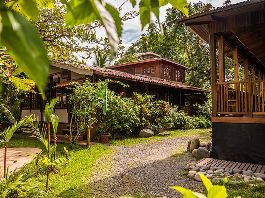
(230, 165)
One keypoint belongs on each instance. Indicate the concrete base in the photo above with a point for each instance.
(239, 142)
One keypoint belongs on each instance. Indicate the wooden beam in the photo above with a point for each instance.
(221, 58)
(257, 120)
(246, 72)
(213, 73)
(235, 60)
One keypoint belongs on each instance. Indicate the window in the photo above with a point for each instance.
(178, 76)
(149, 70)
(166, 72)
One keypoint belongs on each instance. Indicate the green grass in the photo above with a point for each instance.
(246, 190)
(169, 134)
(71, 181)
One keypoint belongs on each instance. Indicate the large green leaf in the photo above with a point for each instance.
(145, 12)
(207, 183)
(217, 192)
(87, 11)
(133, 2)
(25, 7)
(25, 46)
(186, 193)
(8, 133)
(49, 109)
(180, 5)
(45, 3)
(80, 12)
(155, 8)
(116, 16)
(55, 122)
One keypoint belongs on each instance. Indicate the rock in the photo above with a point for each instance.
(209, 176)
(261, 175)
(146, 133)
(194, 144)
(248, 173)
(188, 147)
(216, 180)
(259, 179)
(209, 146)
(194, 153)
(196, 168)
(197, 177)
(203, 144)
(204, 168)
(209, 171)
(213, 168)
(187, 167)
(235, 171)
(219, 171)
(192, 172)
(190, 176)
(247, 178)
(202, 153)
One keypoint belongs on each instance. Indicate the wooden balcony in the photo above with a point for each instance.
(241, 98)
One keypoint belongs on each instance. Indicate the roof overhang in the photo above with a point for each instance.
(242, 23)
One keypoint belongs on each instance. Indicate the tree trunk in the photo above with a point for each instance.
(49, 155)
(5, 158)
(49, 138)
(88, 136)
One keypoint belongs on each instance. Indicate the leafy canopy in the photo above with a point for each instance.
(25, 46)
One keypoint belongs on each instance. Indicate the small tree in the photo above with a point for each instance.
(44, 135)
(87, 101)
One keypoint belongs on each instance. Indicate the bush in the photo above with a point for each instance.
(181, 120)
(122, 117)
(127, 116)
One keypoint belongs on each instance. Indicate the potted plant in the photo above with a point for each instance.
(104, 138)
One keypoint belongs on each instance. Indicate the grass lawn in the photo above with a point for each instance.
(71, 181)
(168, 134)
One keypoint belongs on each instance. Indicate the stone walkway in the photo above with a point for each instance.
(17, 158)
(147, 169)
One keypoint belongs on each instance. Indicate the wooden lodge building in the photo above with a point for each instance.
(236, 33)
(152, 75)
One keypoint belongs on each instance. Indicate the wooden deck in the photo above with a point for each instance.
(230, 165)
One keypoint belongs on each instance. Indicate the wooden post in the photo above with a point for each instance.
(248, 88)
(221, 72)
(5, 161)
(221, 58)
(253, 86)
(235, 61)
(88, 136)
(213, 73)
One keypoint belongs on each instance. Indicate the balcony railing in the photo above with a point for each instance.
(241, 98)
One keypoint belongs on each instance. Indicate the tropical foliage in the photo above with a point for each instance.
(213, 191)
(94, 103)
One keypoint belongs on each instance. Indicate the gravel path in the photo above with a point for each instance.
(143, 170)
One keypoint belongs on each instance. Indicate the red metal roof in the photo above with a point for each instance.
(104, 72)
(148, 61)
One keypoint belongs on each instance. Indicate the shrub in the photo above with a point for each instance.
(122, 117)
(181, 120)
